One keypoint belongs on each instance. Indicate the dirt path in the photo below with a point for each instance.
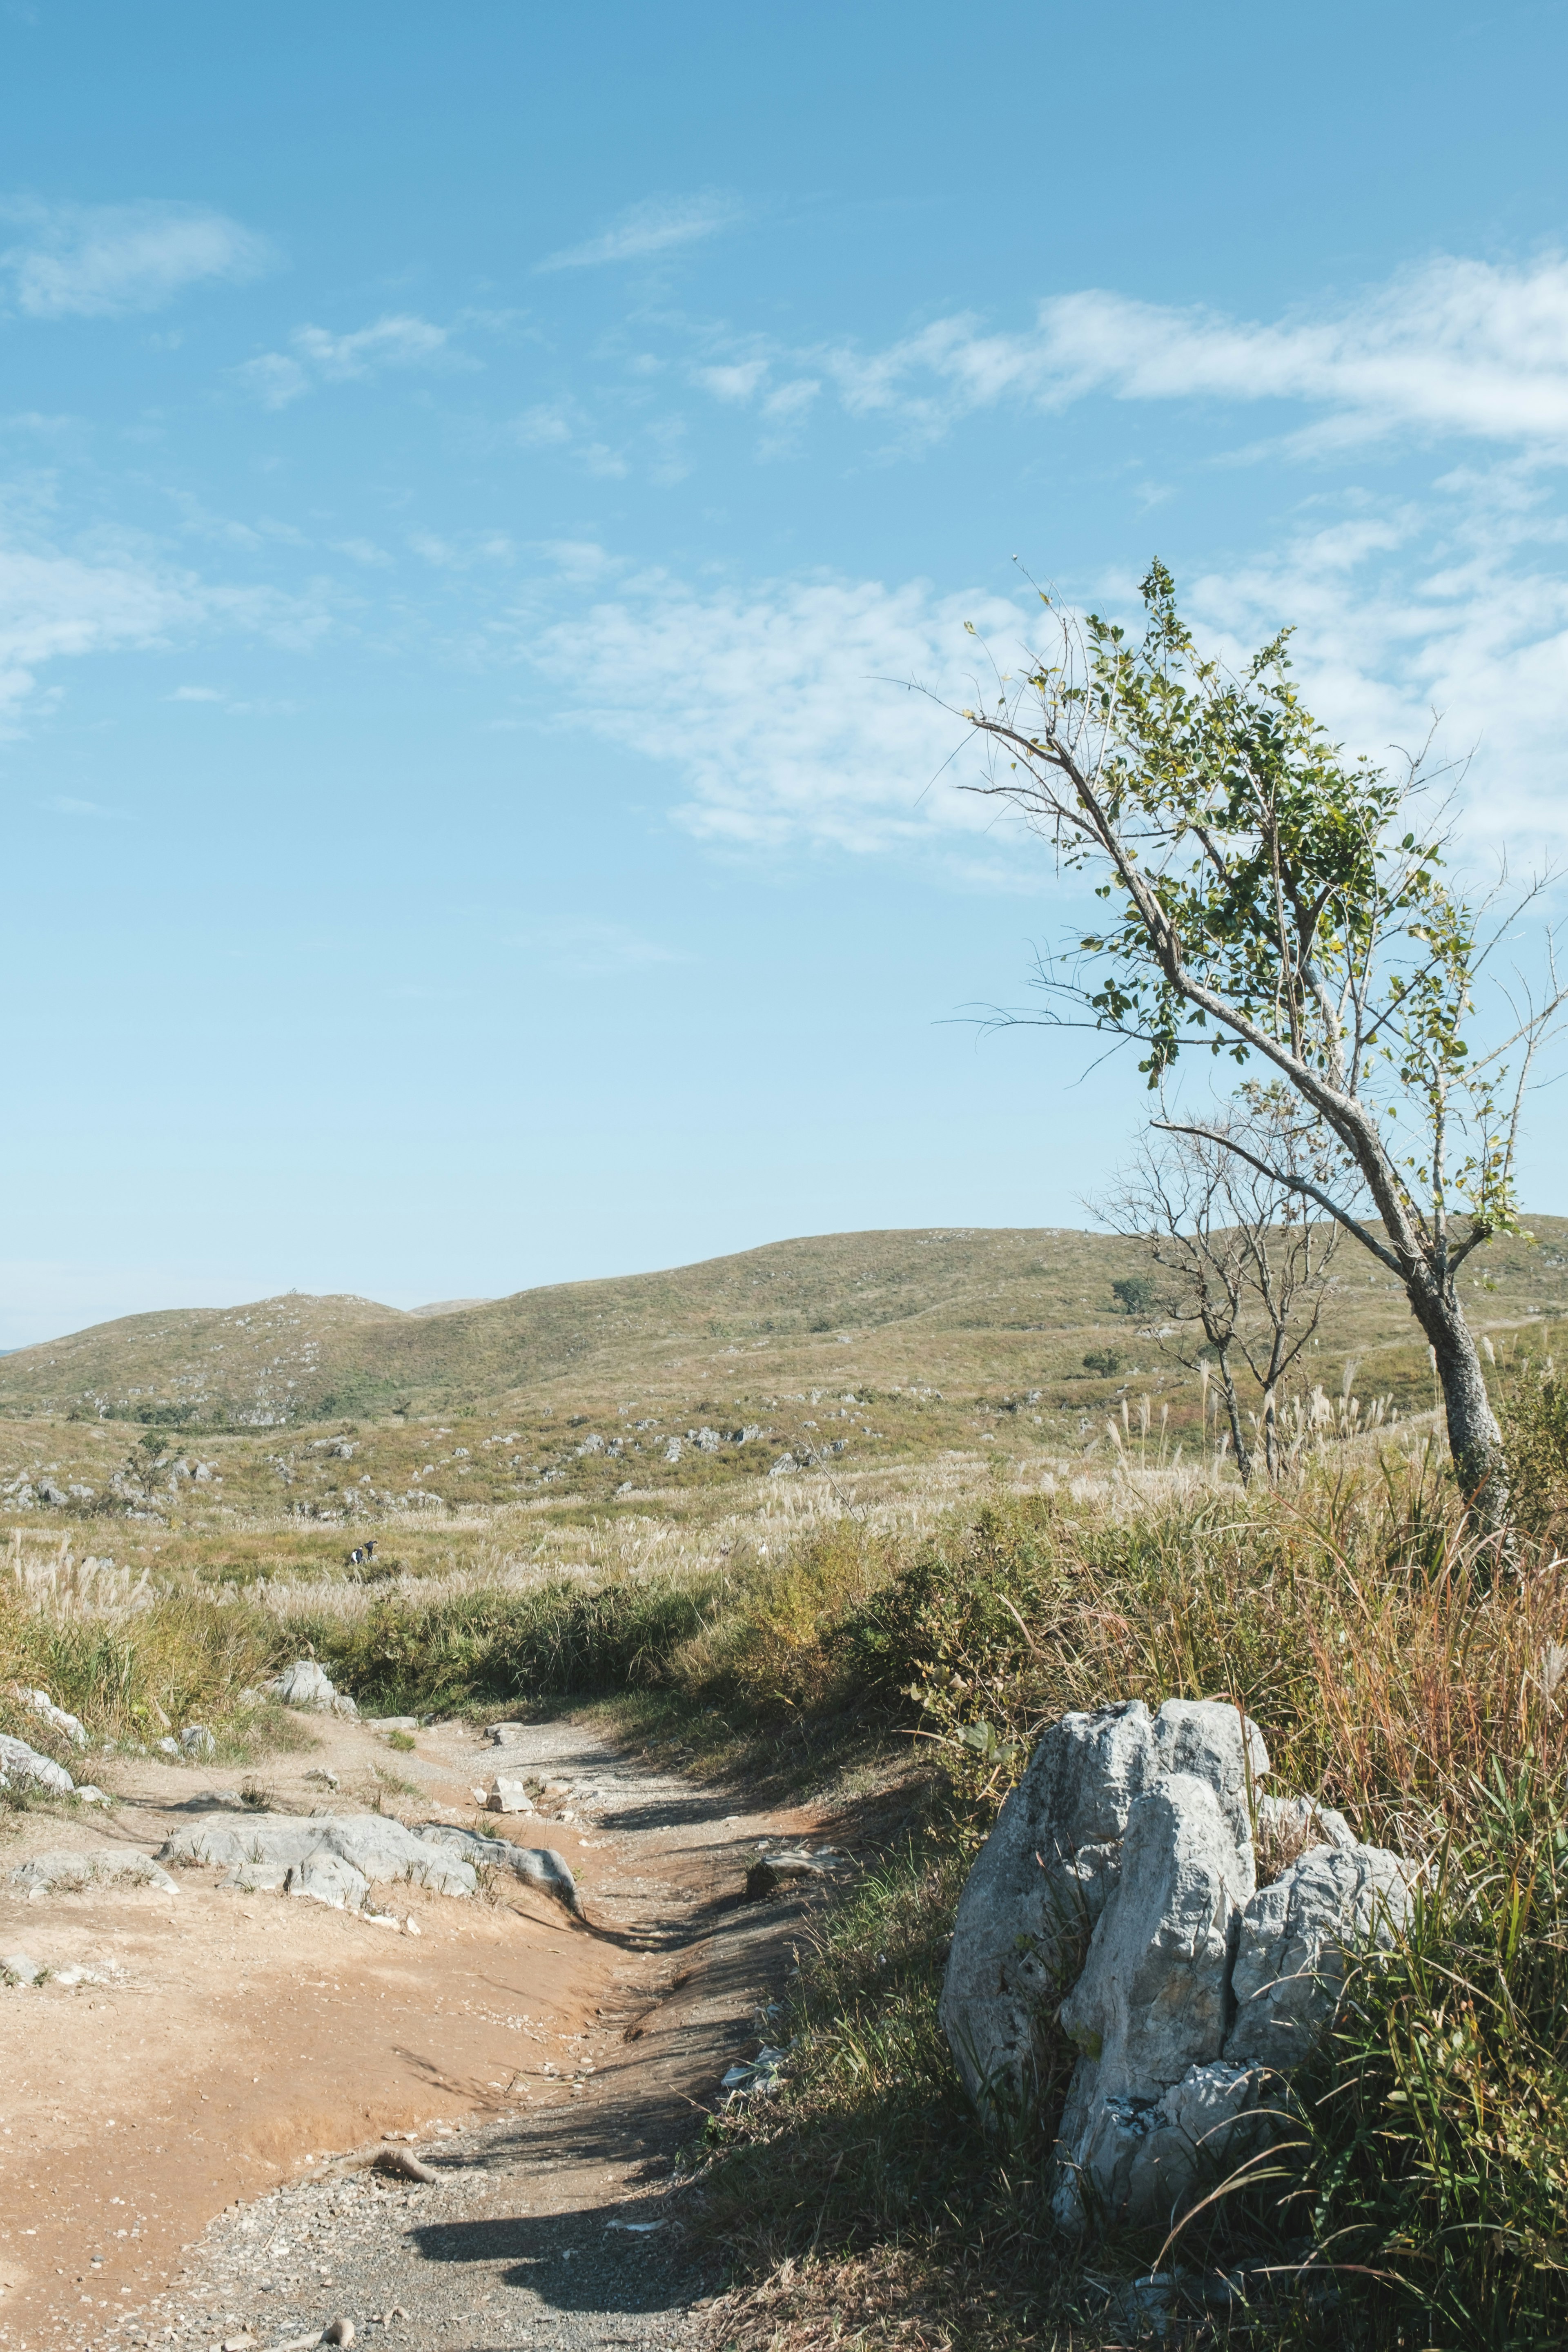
(215, 2085)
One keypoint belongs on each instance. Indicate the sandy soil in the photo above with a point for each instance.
(234, 2043)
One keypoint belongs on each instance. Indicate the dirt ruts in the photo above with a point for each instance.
(190, 2140)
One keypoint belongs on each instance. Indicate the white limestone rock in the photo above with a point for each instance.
(307, 1686)
(1301, 1821)
(1043, 1877)
(39, 1703)
(81, 1870)
(24, 1765)
(1151, 2004)
(1290, 1958)
(537, 1866)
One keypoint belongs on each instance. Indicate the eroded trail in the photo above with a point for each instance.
(187, 2130)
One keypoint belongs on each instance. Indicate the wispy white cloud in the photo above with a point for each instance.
(778, 707)
(317, 356)
(1454, 347)
(656, 226)
(58, 606)
(102, 261)
(784, 709)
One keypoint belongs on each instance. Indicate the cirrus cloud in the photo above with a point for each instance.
(105, 261)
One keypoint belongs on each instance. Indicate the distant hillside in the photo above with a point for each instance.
(990, 1306)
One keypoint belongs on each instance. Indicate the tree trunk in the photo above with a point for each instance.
(1233, 1410)
(1475, 1439)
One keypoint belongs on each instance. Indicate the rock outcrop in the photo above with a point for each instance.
(78, 1872)
(337, 1857)
(309, 1687)
(1117, 1897)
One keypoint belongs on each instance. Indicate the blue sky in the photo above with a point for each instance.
(474, 478)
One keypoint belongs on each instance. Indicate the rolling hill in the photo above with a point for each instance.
(989, 1307)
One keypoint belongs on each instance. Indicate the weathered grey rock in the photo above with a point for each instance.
(73, 1870)
(1295, 1935)
(379, 1848)
(1152, 2003)
(771, 1871)
(328, 1878)
(168, 1746)
(508, 1797)
(20, 1966)
(309, 1687)
(1301, 1821)
(88, 1795)
(197, 1740)
(39, 1703)
(539, 1866)
(20, 1763)
(1042, 1878)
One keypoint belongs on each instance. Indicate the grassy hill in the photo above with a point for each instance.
(846, 1353)
(1009, 1307)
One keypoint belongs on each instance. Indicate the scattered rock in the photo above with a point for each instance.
(213, 1801)
(1121, 1872)
(321, 1778)
(18, 1762)
(39, 1703)
(342, 2331)
(390, 1722)
(403, 2165)
(91, 1796)
(19, 1967)
(307, 1686)
(71, 1872)
(772, 1871)
(168, 1747)
(197, 1740)
(508, 1797)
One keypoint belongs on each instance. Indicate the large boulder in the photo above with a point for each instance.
(1152, 2006)
(1116, 1900)
(1044, 1875)
(309, 1687)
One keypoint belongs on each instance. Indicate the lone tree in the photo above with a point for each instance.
(1269, 898)
(1243, 1260)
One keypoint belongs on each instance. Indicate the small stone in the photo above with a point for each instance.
(169, 1748)
(197, 1740)
(19, 1967)
(403, 2165)
(321, 1778)
(342, 2331)
(508, 1797)
(91, 1796)
(412, 1926)
(772, 1871)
